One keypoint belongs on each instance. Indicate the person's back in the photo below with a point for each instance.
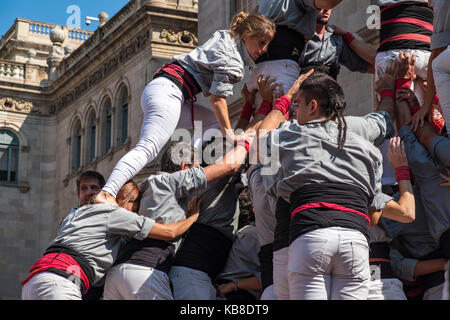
(83, 251)
(329, 174)
(205, 247)
(310, 151)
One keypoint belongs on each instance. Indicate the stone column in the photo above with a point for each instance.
(57, 36)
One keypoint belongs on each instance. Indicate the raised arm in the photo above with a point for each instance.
(385, 87)
(404, 210)
(418, 119)
(220, 108)
(281, 107)
(232, 161)
(364, 50)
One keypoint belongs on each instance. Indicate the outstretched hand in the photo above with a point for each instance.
(419, 118)
(267, 87)
(396, 153)
(296, 86)
(405, 66)
(386, 79)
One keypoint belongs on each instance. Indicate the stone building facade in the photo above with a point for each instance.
(70, 102)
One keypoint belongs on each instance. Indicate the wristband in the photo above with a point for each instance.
(282, 104)
(245, 144)
(387, 93)
(402, 173)
(400, 83)
(436, 99)
(348, 38)
(438, 124)
(265, 108)
(247, 111)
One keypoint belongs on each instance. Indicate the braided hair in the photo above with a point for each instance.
(330, 98)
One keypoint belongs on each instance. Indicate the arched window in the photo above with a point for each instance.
(106, 124)
(91, 136)
(76, 147)
(9, 156)
(123, 115)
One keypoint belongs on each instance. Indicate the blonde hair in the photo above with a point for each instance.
(254, 24)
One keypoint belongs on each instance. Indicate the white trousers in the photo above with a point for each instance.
(268, 293)
(434, 293)
(441, 73)
(386, 289)
(285, 72)
(165, 110)
(329, 264)
(280, 274)
(191, 284)
(50, 286)
(128, 281)
(421, 69)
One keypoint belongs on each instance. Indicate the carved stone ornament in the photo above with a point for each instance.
(183, 37)
(9, 104)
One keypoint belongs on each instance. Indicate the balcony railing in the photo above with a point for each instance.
(35, 31)
(12, 71)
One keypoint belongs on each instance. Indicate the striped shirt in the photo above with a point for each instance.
(405, 25)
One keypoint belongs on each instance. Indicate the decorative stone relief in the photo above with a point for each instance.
(9, 104)
(183, 37)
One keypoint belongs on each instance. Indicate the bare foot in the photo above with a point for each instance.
(105, 197)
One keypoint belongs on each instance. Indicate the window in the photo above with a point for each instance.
(106, 124)
(9, 156)
(92, 129)
(123, 115)
(76, 147)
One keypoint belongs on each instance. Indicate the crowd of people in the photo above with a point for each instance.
(296, 201)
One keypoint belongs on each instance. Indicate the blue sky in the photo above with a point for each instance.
(55, 11)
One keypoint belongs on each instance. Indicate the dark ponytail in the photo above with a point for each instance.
(330, 97)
